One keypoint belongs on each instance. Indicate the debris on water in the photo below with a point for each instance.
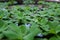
(28, 25)
(40, 35)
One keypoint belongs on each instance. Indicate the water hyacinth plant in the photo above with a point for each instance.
(30, 22)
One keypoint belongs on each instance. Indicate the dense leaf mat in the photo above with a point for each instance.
(30, 22)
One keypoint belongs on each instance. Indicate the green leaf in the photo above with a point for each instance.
(16, 30)
(14, 27)
(3, 25)
(24, 30)
(55, 38)
(1, 36)
(31, 35)
(10, 34)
